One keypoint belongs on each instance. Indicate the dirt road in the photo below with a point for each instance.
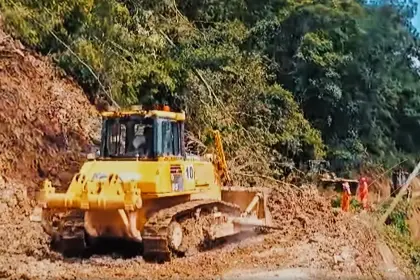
(314, 240)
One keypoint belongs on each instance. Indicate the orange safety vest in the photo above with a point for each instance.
(345, 199)
(363, 194)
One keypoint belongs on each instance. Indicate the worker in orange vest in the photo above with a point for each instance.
(362, 192)
(345, 200)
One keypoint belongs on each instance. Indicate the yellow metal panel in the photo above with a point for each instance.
(145, 173)
(168, 194)
(150, 176)
(169, 115)
(204, 174)
(178, 116)
(124, 184)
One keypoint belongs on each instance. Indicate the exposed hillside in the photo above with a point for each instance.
(46, 121)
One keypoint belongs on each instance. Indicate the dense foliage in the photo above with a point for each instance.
(280, 78)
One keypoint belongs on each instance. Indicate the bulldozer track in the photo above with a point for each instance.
(69, 236)
(156, 245)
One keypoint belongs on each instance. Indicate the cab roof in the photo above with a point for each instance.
(138, 111)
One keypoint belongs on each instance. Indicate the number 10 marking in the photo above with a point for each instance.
(189, 170)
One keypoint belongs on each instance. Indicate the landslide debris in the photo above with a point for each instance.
(341, 242)
(313, 237)
(46, 122)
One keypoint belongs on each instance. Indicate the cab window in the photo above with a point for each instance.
(170, 133)
(128, 137)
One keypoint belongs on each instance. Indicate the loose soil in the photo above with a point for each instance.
(313, 237)
(46, 127)
(46, 121)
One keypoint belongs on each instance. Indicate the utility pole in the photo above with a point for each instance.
(400, 194)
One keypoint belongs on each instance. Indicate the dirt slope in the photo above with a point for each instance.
(46, 122)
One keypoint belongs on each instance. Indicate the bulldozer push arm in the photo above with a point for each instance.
(220, 161)
(253, 198)
(113, 193)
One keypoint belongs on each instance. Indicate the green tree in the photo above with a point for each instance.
(149, 52)
(273, 75)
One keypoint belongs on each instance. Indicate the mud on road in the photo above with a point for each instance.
(313, 238)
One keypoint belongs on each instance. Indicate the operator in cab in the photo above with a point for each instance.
(141, 144)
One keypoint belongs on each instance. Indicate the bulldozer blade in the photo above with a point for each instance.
(252, 201)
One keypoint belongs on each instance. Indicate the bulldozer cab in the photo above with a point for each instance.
(142, 134)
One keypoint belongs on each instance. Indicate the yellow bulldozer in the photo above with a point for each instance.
(142, 186)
